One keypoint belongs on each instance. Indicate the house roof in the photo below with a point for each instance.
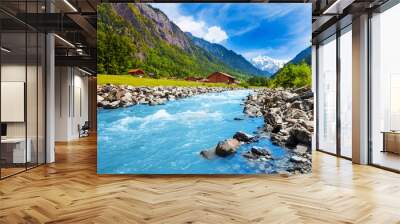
(136, 71)
(222, 73)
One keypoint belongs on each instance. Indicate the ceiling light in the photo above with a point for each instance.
(5, 50)
(337, 7)
(70, 5)
(86, 72)
(65, 41)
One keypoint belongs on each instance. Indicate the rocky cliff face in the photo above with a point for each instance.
(163, 28)
(229, 57)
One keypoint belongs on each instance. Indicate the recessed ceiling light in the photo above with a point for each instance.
(65, 41)
(5, 50)
(70, 5)
(86, 72)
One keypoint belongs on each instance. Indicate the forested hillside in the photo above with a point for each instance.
(139, 36)
(292, 75)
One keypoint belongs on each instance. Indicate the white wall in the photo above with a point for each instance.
(71, 87)
(12, 73)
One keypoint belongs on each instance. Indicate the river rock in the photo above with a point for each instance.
(260, 151)
(298, 135)
(227, 147)
(243, 137)
(298, 159)
(112, 105)
(130, 95)
(208, 154)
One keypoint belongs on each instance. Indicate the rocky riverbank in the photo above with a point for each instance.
(114, 96)
(288, 120)
(288, 114)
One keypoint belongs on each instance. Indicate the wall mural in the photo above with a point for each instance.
(199, 88)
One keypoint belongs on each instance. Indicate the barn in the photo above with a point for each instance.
(221, 77)
(136, 72)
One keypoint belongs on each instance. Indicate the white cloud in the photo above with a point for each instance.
(198, 28)
(215, 34)
(188, 24)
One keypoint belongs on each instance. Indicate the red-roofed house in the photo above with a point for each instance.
(136, 72)
(221, 77)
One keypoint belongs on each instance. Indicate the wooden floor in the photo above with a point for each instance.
(70, 191)
(387, 159)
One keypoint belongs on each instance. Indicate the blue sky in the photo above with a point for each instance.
(277, 30)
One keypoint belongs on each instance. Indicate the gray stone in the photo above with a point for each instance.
(298, 159)
(260, 151)
(208, 154)
(227, 147)
(243, 137)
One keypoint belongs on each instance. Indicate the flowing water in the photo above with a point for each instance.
(167, 139)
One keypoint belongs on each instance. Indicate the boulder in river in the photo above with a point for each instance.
(208, 154)
(227, 147)
(258, 153)
(243, 137)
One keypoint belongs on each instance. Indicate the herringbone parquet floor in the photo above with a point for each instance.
(70, 191)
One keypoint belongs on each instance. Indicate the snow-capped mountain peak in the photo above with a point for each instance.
(268, 64)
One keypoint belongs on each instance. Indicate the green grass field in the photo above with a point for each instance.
(134, 81)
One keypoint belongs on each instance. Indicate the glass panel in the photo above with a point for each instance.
(13, 79)
(23, 89)
(327, 95)
(385, 84)
(346, 93)
(41, 99)
(31, 98)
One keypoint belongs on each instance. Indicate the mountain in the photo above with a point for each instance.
(229, 57)
(139, 36)
(267, 64)
(304, 55)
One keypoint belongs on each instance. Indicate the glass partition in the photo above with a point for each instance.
(13, 94)
(346, 92)
(41, 98)
(22, 101)
(385, 89)
(327, 95)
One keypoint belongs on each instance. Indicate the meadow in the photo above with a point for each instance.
(136, 81)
